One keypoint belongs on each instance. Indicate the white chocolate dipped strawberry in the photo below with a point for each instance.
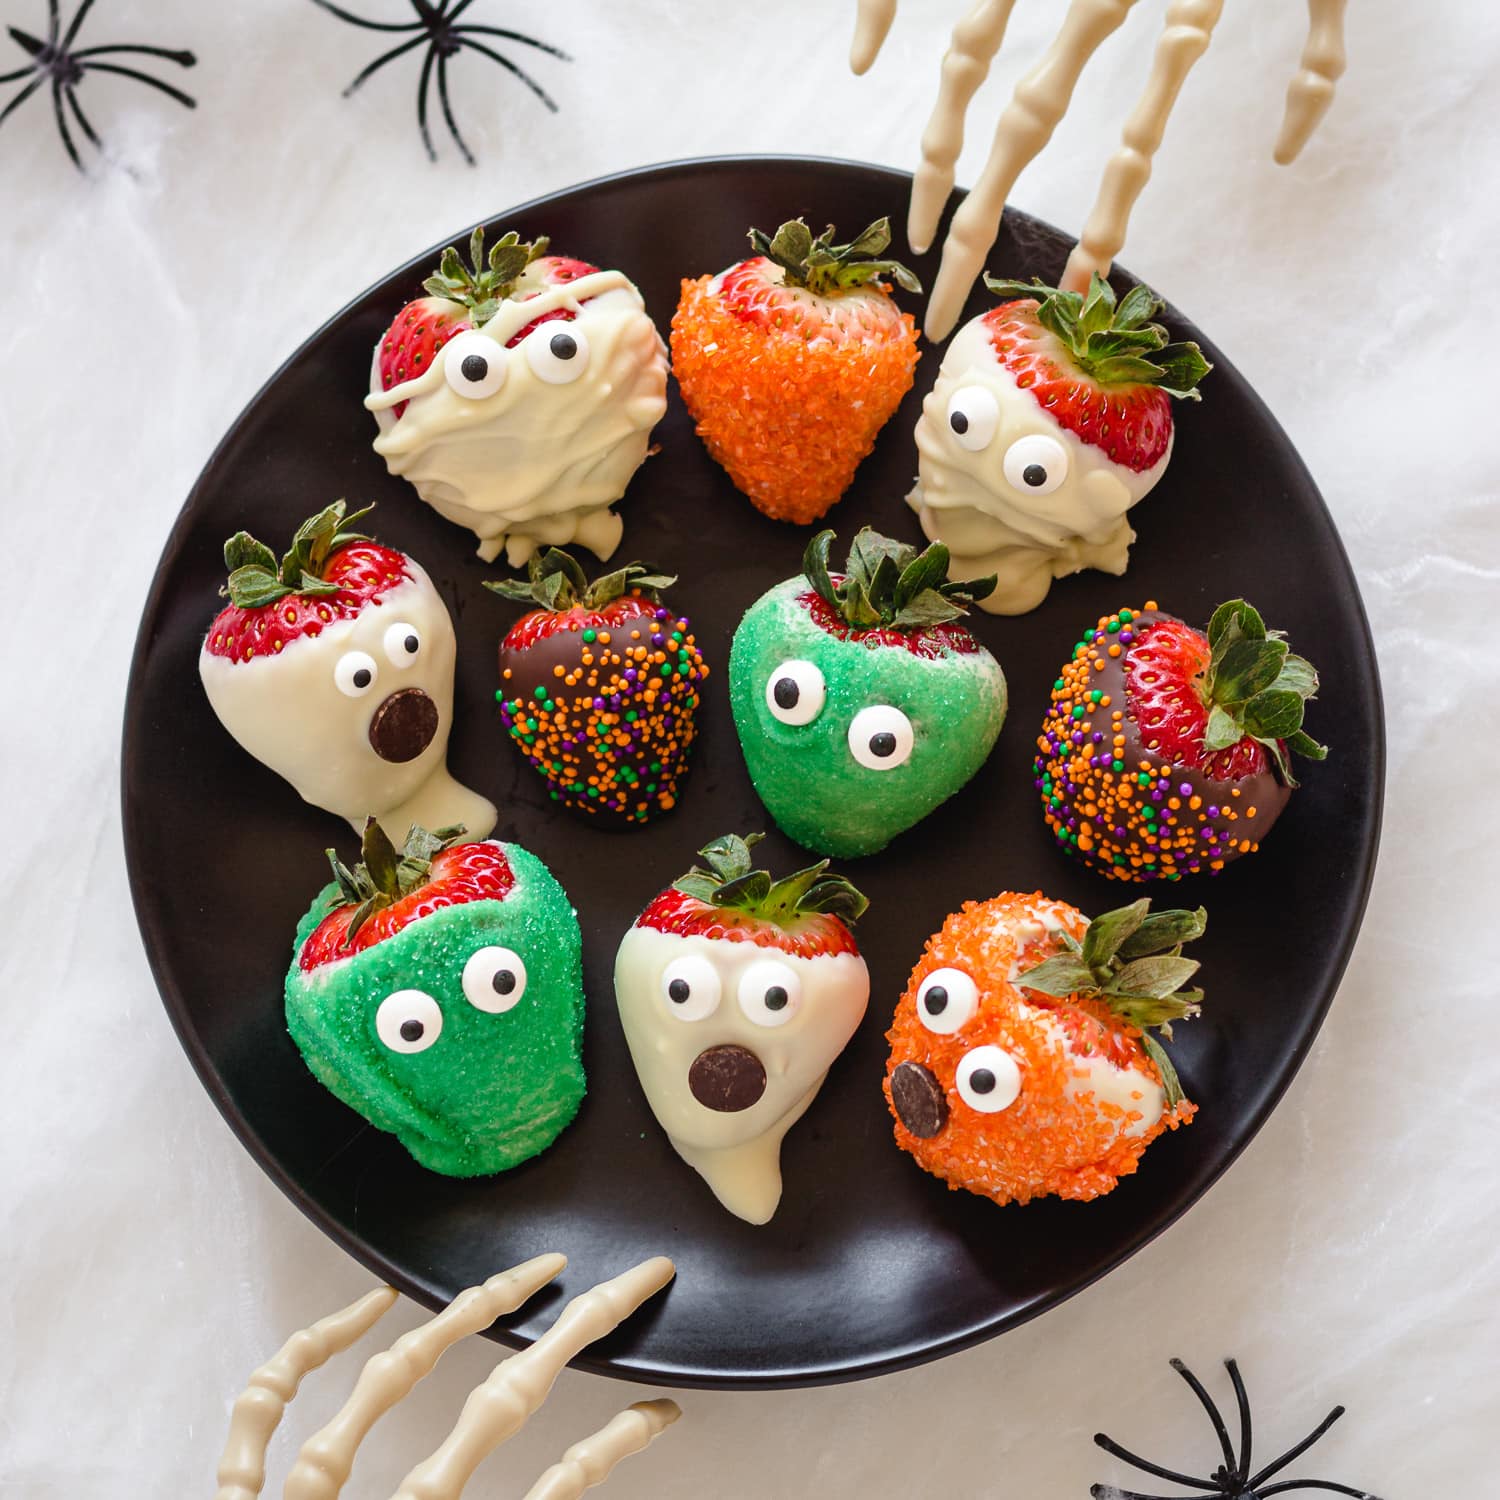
(1050, 419)
(736, 993)
(334, 667)
(519, 396)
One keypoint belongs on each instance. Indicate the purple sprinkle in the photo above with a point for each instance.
(1126, 637)
(659, 614)
(598, 702)
(1186, 788)
(657, 638)
(629, 674)
(683, 623)
(1098, 737)
(1156, 795)
(1213, 812)
(1119, 833)
(1078, 737)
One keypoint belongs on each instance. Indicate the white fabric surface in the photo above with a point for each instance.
(1353, 1254)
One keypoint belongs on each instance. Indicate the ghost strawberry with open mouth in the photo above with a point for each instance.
(1022, 1061)
(736, 994)
(438, 991)
(334, 667)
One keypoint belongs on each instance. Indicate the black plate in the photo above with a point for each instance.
(870, 1264)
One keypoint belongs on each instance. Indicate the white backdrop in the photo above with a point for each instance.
(1353, 1253)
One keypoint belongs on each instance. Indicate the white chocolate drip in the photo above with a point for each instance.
(493, 1412)
(535, 463)
(1189, 29)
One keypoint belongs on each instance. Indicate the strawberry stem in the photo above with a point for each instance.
(384, 876)
(556, 581)
(889, 585)
(731, 882)
(826, 269)
(484, 284)
(256, 578)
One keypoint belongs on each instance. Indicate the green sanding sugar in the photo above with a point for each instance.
(493, 1089)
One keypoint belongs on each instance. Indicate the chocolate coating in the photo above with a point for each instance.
(404, 726)
(919, 1100)
(727, 1078)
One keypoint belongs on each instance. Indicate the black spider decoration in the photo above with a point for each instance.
(436, 28)
(1232, 1480)
(57, 62)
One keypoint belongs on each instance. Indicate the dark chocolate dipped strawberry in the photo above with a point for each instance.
(1167, 751)
(600, 686)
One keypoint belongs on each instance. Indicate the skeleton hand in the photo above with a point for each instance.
(495, 1410)
(1040, 101)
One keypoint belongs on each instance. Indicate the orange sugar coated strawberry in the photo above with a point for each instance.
(791, 365)
(1016, 1093)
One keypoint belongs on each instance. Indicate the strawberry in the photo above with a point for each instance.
(1167, 751)
(334, 666)
(600, 687)
(438, 991)
(736, 993)
(1022, 1062)
(860, 700)
(792, 361)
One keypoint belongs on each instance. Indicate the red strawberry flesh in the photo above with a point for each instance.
(931, 642)
(754, 292)
(809, 936)
(412, 341)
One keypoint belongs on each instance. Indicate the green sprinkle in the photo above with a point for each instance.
(1117, 766)
(591, 635)
(541, 692)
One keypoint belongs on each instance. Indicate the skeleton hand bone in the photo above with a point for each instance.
(495, 1410)
(1040, 101)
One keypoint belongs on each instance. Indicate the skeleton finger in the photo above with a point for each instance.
(499, 1408)
(1189, 28)
(871, 23)
(590, 1462)
(258, 1411)
(1025, 126)
(976, 40)
(1311, 90)
(323, 1466)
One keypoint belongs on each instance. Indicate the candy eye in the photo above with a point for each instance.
(795, 692)
(770, 992)
(409, 1021)
(355, 674)
(692, 987)
(1036, 464)
(474, 365)
(402, 645)
(557, 353)
(494, 979)
(988, 1080)
(947, 1001)
(973, 415)
(881, 737)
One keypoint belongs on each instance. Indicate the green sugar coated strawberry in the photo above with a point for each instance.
(861, 703)
(437, 990)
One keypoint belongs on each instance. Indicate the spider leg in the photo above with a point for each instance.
(1318, 1484)
(17, 75)
(442, 76)
(1299, 1450)
(1196, 1386)
(383, 59)
(1310, 92)
(515, 36)
(22, 97)
(424, 83)
(589, 1463)
(26, 42)
(457, 10)
(1114, 1492)
(156, 83)
(54, 22)
(344, 15)
(77, 21)
(1189, 28)
(872, 23)
(83, 120)
(1025, 126)
(1242, 1399)
(966, 63)
(62, 123)
(507, 64)
(1147, 1467)
(182, 59)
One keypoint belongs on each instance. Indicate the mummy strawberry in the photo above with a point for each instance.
(334, 667)
(438, 991)
(736, 993)
(1022, 1061)
(600, 686)
(1166, 751)
(792, 361)
(519, 396)
(861, 703)
(1051, 417)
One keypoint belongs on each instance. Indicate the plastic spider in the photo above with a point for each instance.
(56, 62)
(1232, 1480)
(436, 29)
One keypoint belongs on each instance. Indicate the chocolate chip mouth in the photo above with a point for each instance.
(727, 1079)
(404, 726)
(921, 1105)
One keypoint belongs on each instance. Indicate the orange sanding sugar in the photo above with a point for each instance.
(789, 414)
(1057, 1138)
